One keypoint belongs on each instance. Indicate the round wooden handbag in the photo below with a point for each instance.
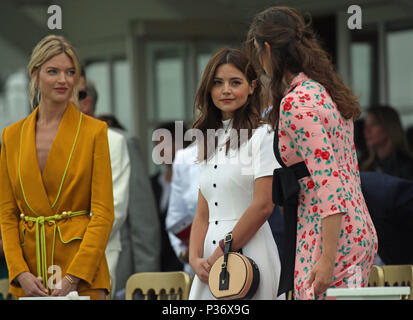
(233, 276)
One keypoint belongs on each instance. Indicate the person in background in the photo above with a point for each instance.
(140, 234)
(387, 145)
(359, 140)
(56, 199)
(182, 202)
(409, 138)
(112, 122)
(120, 165)
(331, 237)
(390, 203)
(161, 186)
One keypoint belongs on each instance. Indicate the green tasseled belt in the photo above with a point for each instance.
(41, 255)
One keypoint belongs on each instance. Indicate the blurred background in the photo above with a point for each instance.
(146, 57)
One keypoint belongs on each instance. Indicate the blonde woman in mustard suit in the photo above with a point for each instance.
(56, 200)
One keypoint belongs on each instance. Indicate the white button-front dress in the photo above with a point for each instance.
(227, 183)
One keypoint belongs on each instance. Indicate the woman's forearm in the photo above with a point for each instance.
(196, 240)
(199, 229)
(330, 232)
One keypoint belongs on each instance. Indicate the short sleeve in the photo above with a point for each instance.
(263, 158)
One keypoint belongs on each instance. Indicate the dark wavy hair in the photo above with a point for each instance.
(210, 117)
(389, 119)
(295, 48)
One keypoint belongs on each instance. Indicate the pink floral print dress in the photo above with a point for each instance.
(312, 129)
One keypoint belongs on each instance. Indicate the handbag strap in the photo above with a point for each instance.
(224, 275)
(228, 246)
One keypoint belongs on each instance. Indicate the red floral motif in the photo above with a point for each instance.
(310, 184)
(325, 155)
(304, 98)
(310, 123)
(287, 106)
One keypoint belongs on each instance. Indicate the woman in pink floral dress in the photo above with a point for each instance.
(336, 242)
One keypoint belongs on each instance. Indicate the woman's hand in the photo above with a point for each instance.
(201, 267)
(184, 255)
(322, 275)
(66, 285)
(214, 257)
(32, 286)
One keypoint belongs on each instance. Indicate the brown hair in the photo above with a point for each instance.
(389, 119)
(295, 48)
(210, 117)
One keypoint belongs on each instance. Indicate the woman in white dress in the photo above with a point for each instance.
(235, 179)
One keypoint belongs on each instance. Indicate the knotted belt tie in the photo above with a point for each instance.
(41, 256)
(285, 192)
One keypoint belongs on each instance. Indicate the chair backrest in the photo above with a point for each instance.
(376, 278)
(4, 288)
(160, 285)
(400, 276)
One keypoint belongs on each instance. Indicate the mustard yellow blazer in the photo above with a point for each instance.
(62, 216)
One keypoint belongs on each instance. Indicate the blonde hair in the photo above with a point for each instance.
(49, 47)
